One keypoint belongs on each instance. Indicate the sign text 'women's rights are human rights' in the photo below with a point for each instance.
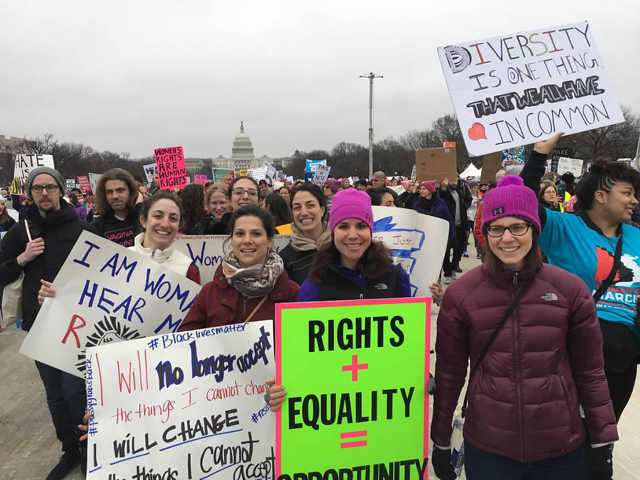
(355, 373)
(520, 88)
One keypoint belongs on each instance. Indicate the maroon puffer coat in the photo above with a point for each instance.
(547, 361)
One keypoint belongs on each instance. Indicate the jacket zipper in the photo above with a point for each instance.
(360, 283)
(518, 372)
(244, 308)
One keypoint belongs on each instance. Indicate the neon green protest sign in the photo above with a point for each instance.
(355, 373)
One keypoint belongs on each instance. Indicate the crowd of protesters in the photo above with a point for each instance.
(553, 351)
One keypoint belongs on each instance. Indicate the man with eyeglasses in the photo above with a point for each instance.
(54, 227)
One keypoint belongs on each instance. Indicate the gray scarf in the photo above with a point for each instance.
(300, 243)
(255, 281)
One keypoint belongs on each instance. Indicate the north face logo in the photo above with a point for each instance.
(381, 286)
(550, 297)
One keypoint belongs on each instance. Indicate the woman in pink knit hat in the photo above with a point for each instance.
(531, 335)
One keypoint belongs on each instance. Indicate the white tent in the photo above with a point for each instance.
(471, 171)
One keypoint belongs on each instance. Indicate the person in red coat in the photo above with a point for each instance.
(524, 400)
(250, 280)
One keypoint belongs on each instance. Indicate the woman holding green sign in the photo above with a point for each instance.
(532, 337)
(351, 266)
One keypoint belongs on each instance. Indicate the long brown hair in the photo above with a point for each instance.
(373, 265)
(116, 174)
(531, 259)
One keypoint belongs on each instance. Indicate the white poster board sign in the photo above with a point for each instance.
(94, 178)
(150, 171)
(105, 293)
(207, 251)
(520, 88)
(24, 163)
(416, 241)
(183, 405)
(572, 165)
(321, 175)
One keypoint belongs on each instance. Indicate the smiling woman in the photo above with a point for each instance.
(525, 328)
(251, 279)
(308, 233)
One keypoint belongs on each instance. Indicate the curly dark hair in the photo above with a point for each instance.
(192, 197)
(160, 195)
(375, 264)
(603, 175)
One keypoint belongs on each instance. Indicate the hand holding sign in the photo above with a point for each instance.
(546, 146)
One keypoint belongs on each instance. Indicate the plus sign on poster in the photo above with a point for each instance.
(355, 374)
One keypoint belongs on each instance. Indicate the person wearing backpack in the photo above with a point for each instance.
(54, 227)
(532, 337)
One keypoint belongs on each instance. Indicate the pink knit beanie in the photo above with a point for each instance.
(351, 203)
(510, 199)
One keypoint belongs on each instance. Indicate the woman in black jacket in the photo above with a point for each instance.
(308, 233)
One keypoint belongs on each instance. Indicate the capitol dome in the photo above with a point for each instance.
(242, 146)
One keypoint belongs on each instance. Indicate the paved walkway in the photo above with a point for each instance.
(29, 449)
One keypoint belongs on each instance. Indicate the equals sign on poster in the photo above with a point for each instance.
(353, 435)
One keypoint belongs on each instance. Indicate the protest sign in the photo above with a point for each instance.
(94, 178)
(200, 179)
(414, 173)
(311, 165)
(436, 164)
(171, 169)
(513, 156)
(24, 163)
(85, 184)
(557, 154)
(105, 293)
(183, 405)
(521, 88)
(150, 171)
(571, 165)
(70, 184)
(404, 232)
(350, 408)
(207, 251)
(223, 175)
(491, 164)
(271, 171)
(257, 174)
(321, 175)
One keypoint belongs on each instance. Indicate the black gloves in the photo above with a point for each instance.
(441, 461)
(599, 462)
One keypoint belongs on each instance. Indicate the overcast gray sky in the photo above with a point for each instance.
(129, 76)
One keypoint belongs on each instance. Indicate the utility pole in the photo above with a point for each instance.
(371, 76)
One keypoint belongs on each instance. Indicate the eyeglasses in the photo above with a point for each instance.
(517, 229)
(252, 192)
(49, 188)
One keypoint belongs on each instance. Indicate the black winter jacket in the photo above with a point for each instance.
(122, 232)
(297, 263)
(60, 229)
(465, 203)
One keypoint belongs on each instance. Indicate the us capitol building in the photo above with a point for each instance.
(242, 157)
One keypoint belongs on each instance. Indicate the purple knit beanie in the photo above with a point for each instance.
(333, 184)
(351, 203)
(510, 199)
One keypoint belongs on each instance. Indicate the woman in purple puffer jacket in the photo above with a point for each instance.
(80, 209)
(523, 418)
